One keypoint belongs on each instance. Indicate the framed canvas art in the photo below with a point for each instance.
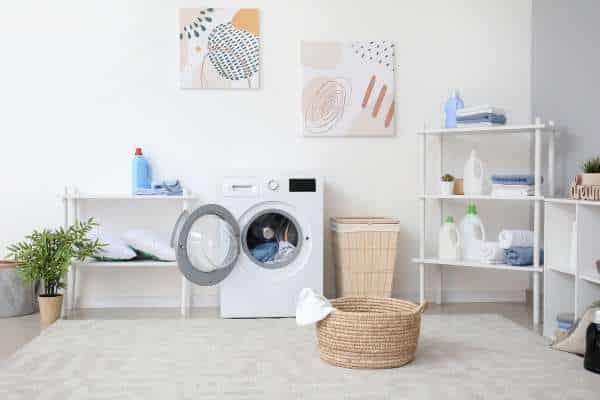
(348, 88)
(219, 48)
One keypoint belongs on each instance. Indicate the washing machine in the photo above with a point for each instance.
(261, 244)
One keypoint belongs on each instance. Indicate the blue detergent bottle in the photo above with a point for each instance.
(141, 177)
(453, 104)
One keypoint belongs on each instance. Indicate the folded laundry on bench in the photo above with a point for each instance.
(164, 188)
(521, 256)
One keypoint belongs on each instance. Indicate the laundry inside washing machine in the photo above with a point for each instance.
(272, 239)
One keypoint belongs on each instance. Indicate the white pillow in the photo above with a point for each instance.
(115, 250)
(149, 244)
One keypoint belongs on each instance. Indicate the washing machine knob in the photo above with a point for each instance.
(273, 184)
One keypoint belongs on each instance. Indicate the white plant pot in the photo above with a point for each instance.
(446, 188)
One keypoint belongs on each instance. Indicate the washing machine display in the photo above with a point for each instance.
(272, 239)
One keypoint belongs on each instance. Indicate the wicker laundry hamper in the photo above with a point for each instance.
(364, 252)
(370, 332)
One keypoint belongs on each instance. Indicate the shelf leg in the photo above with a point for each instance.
(536, 299)
(421, 283)
(65, 305)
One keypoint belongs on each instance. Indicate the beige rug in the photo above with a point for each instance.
(460, 357)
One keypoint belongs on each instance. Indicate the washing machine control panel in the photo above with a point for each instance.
(273, 184)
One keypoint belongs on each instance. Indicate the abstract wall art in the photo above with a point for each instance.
(348, 88)
(219, 48)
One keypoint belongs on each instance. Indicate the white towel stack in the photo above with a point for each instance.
(491, 253)
(515, 238)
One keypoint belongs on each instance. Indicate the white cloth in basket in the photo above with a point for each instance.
(311, 307)
(515, 238)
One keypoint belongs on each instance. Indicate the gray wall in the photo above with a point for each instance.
(566, 78)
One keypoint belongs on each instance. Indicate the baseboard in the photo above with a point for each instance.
(471, 296)
(203, 300)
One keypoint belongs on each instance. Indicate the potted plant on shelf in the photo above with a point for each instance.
(447, 185)
(591, 172)
(45, 256)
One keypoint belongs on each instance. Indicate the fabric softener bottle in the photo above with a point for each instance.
(453, 104)
(140, 172)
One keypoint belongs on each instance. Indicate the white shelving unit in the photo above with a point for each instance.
(536, 130)
(72, 201)
(571, 281)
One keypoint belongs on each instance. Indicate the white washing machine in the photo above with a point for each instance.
(261, 244)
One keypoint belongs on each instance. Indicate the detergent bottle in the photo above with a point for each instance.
(449, 241)
(453, 104)
(473, 175)
(472, 234)
(140, 172)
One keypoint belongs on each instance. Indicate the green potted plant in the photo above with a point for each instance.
(45, 256)
(447, 185)
(591, 172)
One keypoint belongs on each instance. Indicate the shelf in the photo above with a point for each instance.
(125, 197)
(563, 270)
(484, 130)
(127, 264)
(475, 264)
(479, 197)
(591, 278)
(558, 200)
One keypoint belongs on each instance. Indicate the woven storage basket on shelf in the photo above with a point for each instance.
(364, 252)
(370, 332)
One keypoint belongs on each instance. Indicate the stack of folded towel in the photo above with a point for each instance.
(483, 115)
(512, 185)
(518, 247)
(164, 188)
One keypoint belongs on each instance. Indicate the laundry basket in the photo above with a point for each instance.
(370, 332)
(364, 252)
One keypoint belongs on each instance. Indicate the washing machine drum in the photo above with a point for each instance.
(207, 244)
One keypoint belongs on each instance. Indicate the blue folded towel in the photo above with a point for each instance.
(483, 117)
(521, 256)
(164, 188)
(513, 179)
(265, 251)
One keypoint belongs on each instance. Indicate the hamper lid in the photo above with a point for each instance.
(8, 264)
(363, 224)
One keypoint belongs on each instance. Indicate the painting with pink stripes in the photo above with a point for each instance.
(348, 88)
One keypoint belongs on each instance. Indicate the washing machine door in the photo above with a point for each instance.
(207, 244)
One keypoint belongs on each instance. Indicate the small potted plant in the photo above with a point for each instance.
(591, 172)
(447, 185)
(45, 256)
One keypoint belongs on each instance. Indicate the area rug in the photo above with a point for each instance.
(459, 357)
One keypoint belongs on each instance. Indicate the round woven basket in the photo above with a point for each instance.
(370, 332)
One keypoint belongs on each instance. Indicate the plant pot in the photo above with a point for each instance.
(590, 179)
(50, 308)
(446, 188)
(459, 188)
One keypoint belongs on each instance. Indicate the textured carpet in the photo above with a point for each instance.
(459, 357)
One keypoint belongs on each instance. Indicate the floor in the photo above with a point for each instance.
(16, 332)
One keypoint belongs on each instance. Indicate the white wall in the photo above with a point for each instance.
(83, 83)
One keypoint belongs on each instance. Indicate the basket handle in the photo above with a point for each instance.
(421, 309)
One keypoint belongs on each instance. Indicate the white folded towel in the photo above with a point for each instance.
(515, 238)
(481, 109)
(491, 253)
(311, 307)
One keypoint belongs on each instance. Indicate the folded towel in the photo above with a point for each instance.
(491, 253)
(514, 179)
(512, 190)
(311, 307)
(515, 238)
(476, 124)
(164, 188)
(521, 256)
(485, 108)
(482, 117)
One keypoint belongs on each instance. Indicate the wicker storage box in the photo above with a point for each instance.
(364, 252)
(370, 332)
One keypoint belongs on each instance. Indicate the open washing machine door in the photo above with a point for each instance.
(207, 244)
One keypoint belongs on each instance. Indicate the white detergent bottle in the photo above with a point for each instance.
(449, 243)
(472, 233)
(473, 175)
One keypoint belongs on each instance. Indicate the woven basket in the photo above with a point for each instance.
(370, 332)
(365, 258)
